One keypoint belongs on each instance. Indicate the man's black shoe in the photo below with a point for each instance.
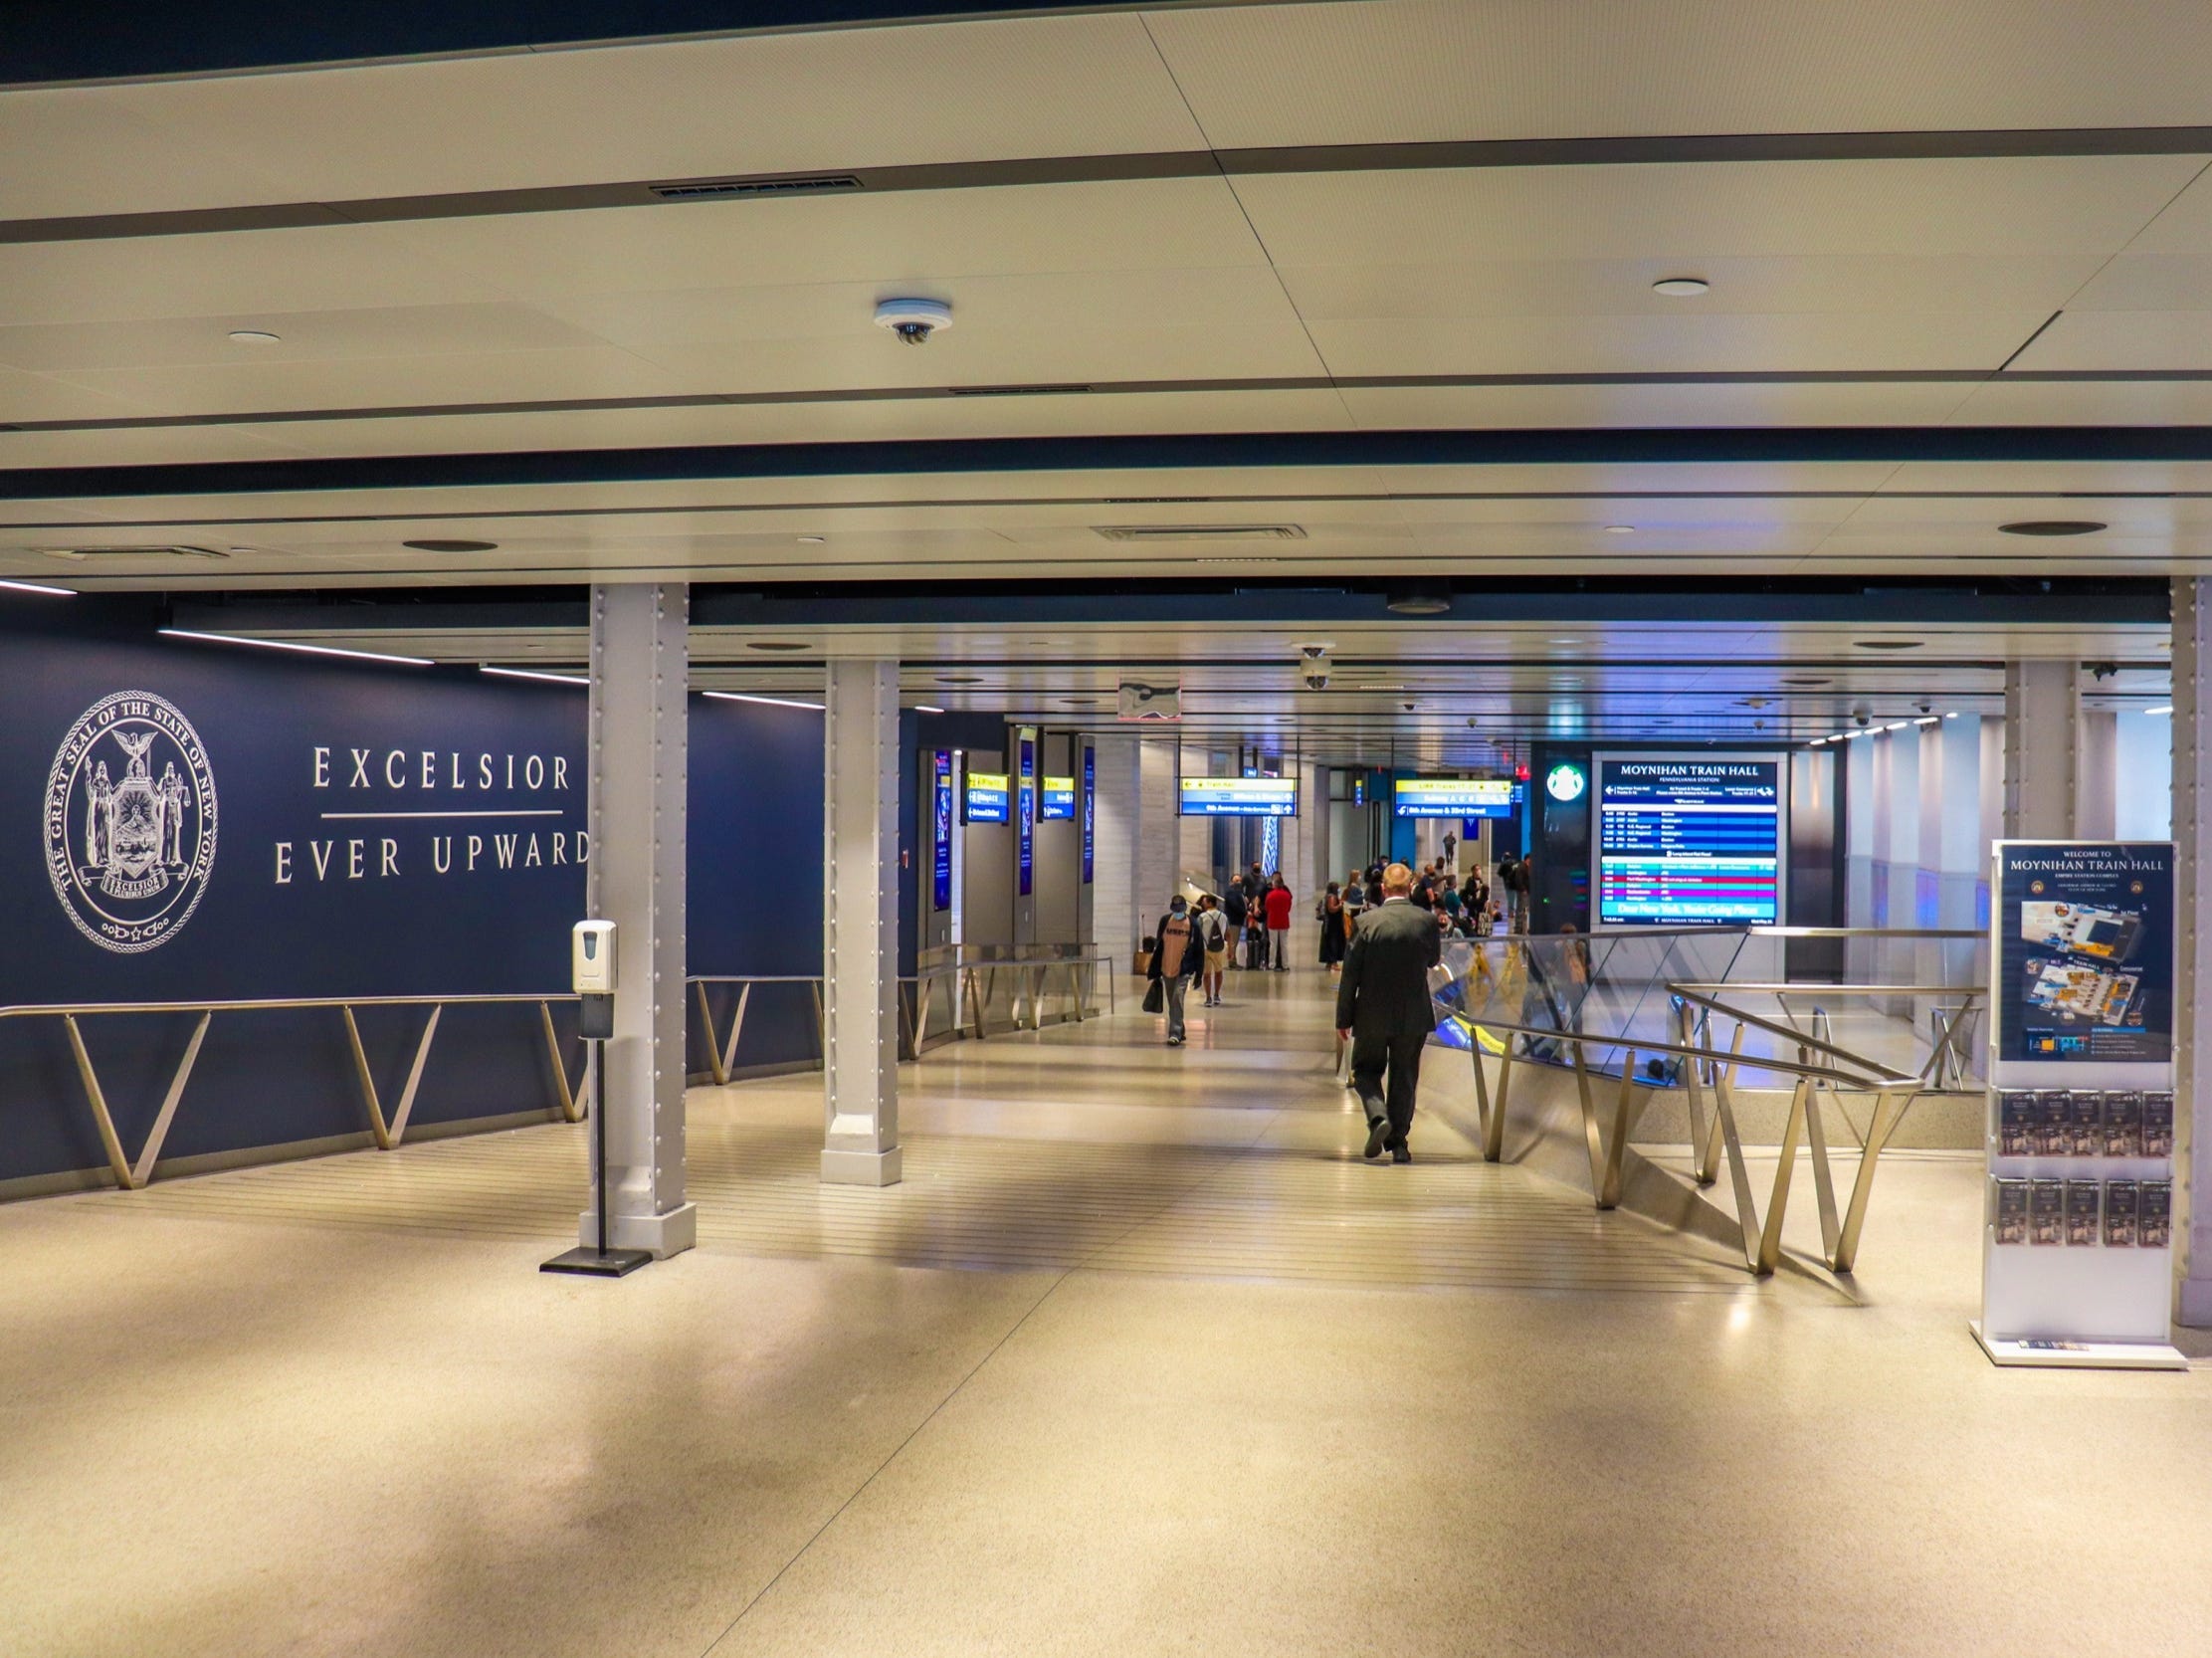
(1377, 1128)
(1401, 1156)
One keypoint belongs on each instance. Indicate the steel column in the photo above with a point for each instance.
(860, 924)
(2193, 1024)
(2043, 748)
(640, 763)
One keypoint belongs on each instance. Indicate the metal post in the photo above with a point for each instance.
(2192, 998)
(2043, 708)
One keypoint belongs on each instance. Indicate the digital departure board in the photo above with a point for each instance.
(1690, 840)
(1239, 797)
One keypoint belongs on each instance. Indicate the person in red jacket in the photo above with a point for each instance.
(1278, 925)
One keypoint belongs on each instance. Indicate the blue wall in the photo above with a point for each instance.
(307, 896)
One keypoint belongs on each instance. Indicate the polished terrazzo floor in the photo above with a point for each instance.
(1140, 1358)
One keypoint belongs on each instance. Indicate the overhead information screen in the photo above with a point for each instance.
(1058, 800)
(1460, 797)
(1239, 797)
(1688, 840)
(989, 797)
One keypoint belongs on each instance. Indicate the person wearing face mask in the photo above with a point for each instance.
(1175, 964)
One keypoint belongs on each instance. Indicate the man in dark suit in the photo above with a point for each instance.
(1383, 1008)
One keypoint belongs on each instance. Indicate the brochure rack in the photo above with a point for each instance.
(2076, 1235)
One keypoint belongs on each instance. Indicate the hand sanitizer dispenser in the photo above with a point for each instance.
(593, 975)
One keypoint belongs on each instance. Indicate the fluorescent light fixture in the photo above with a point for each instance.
(301, 650)
(1928, 720)
(1680, 288)
(773, 701)
(924, 707)
(2169, 708)
(532, 674)
(1895, 726)
(254, 336)
(1620, 530)
(39, 587)
(1953, 714)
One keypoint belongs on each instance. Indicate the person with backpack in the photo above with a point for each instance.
(1213, 943)
(1175, 964)
(1235, 905)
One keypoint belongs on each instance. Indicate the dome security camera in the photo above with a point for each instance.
(1925, 705)
(913, 321)
(1860, 717)
(1313, 664)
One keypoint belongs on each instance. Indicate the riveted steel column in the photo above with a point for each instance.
(2043, 744)
(2192, 1012)
(639, 764)
(859, 920)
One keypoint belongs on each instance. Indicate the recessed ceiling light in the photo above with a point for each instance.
(959, 679)
(776, 645)
(1895, 725)
(1680, 288)
(1888, 644)
(813, 541)
(1620, 530)
(2052, 527)
(452, 546)
(926, 708)
(254, 337)
(41, 588)
(2169, 708)
(1808, 682)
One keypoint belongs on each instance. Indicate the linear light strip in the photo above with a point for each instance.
(41, 588)
(302, 650)
(535, 673)
(773, 701)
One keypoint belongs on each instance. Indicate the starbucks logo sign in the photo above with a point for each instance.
(130, 822)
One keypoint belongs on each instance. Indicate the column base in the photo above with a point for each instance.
(659, 1236)
(861, 1168)
(2195, 1311)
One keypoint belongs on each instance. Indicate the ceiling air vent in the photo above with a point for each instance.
(82, 555)
(795, 184)
(1199, 532)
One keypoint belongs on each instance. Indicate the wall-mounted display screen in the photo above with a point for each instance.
(940, 829)
(990, 798)
(1690, 840)
(1090, 812)
(1239, 797)
(1459, 798)
(1059, 799)
(1024, 813)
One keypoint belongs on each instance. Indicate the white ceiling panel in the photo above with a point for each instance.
(2185, 226)
(2149, 281)
(141, 446)
(2011, 402)
(1067, 302)
(230, 275)
(78, 150)
(1617, 286)
(257, 384)
(1506, 407)
(909, 240)
(302, 336)
(1385, 71)
(1079, 353)
(2006, 207)
(2029, 480)
(36, 397)
(1643, 478)
(1806, 342)
(2105, 340)
(1133, 413)
(845, 98)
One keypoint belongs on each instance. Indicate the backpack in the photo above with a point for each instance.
(1216, 939)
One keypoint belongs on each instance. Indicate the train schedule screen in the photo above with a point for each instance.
(1689, 841)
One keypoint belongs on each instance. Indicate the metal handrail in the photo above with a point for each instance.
(131, 1173)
